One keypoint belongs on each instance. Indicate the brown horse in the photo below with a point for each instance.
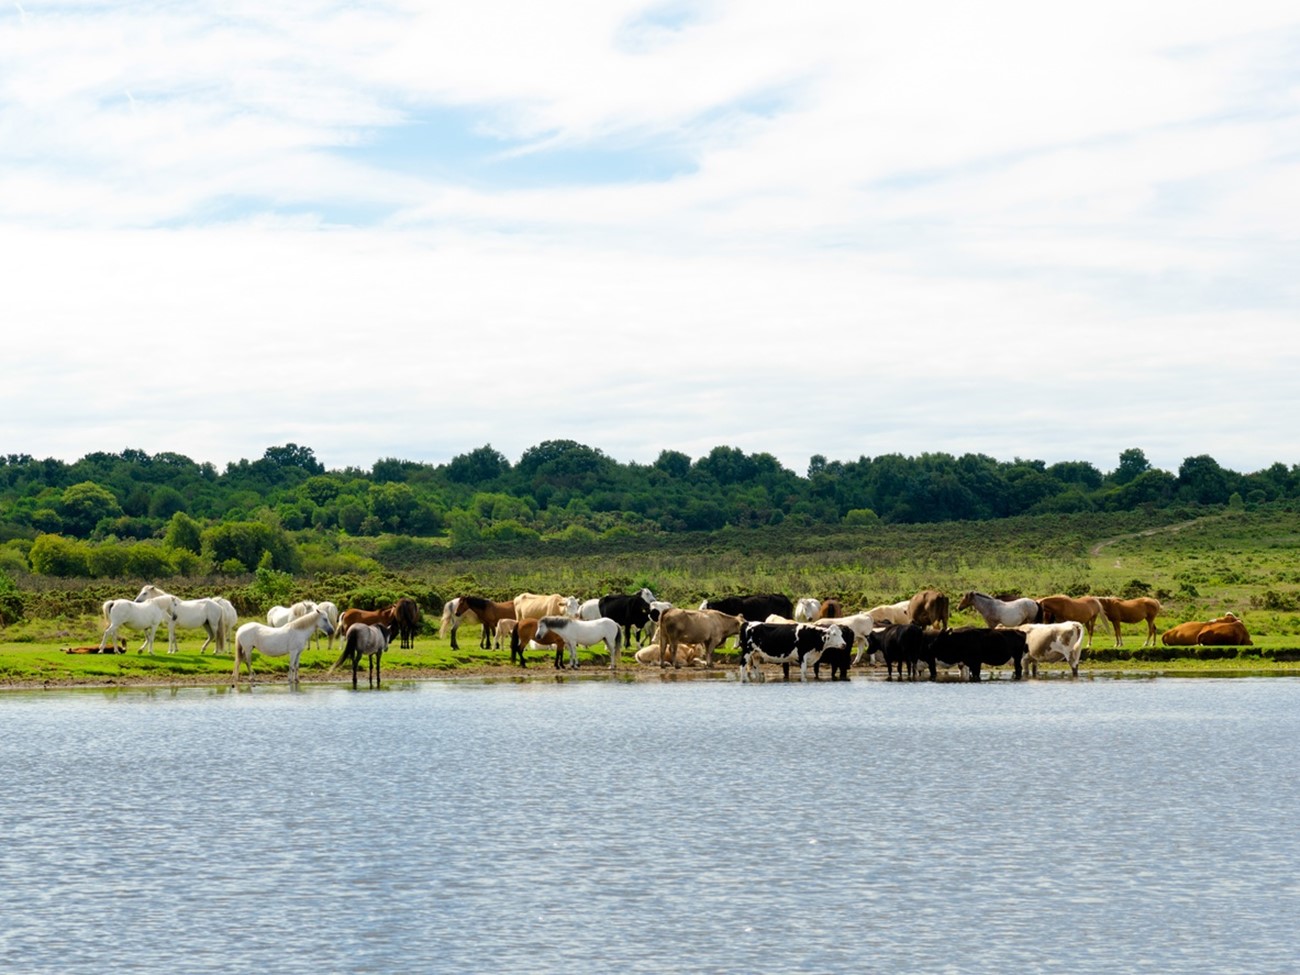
(385, 617)
(1064, 609)
(407, 617)
(929, 607)
(1131, 611)
(525, 632)
(486, 612)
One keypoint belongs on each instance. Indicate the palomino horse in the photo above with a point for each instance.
(278, 641)
(1131, 611)
(929, 607)
(1064, 609)
(146, 617)
(582, 633)
(485, 611)
(191, 614)
(363, 639)
(997, 612)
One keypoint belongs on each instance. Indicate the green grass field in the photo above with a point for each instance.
(1199, 564)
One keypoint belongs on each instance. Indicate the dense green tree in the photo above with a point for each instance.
(54, 555)
(84, 506)
(1132, 463)
(478, 467)
(245, 542)
(184, 532)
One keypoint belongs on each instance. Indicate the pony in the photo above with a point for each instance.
(453, 615)
(279, 615)
(486, 612)
(1064, 609)
(582, 633)
(996, 612)
(192, 614)
(806, 609)
(229, 620)
(364, 639)
(332, 614)
(524, 634)
(146, 617)
(1131, 611)
(407, 613)
(278, 641)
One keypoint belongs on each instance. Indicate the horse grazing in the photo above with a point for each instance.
(145, 617)
(363, 639)
(486, 612)
(1064, 609)
(191, 614)
(278, 641)
(582, 633)
(1131, 611)
(997, 612)
(929, 607)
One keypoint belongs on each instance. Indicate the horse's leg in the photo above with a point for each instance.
(356, 659)
(378, 657)
(104, 639)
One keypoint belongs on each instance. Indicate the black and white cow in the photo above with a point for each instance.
(628, 611)
(973, 647)
(787, 643)
(754, 608)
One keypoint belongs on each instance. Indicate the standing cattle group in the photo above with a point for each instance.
(768, 628)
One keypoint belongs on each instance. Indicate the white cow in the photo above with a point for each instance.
(896, 613)
(1052, 643)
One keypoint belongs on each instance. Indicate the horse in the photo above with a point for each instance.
(408, 620)
(929, 607)
(806, 609)
(146, 617)
(1064, 609)
(523, 634)
(582, 633)
(1131, 611)
(229, 620)
(191, 614)
(997, 612)
(486, 612)
(278, 641)
(370, 641)
(279, 615)
(332, 614)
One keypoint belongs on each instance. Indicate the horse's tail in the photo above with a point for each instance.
(448, 611)
(349, 647)
(514, 642)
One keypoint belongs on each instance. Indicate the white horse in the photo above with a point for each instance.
(191, 614)
(582, 633)
(279, 615)
(146, 617)
(278, 641)
(363, 639)
(998, 613)
(332, 614)
(806, 609)
(229, 620)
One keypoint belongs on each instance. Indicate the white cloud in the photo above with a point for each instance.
(1000, 228)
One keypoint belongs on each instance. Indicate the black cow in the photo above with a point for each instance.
(973, 647)
(628, 611)
(837, 658)
(787, 643)
(902, 644)
(754, 608)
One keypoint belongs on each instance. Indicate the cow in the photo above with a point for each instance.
(896, 613)
(531, 604)
(628, 611)
(688, 655)
(859, 624)
(707, 627)
(974, 647)
(657, 608)
(754, 607)
(1230, 633)
(899, 644)
(785, 643)
(1049, 642)
(929, 607)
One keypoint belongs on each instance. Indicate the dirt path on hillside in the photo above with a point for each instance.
(1096, 549)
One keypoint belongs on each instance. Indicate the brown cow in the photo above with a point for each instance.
(707, 627)
(1131, 611)
(929, 607)
(1065, 609)
(1231, 633)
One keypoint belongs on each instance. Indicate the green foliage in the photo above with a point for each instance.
(11, 601)
(184, 532)
(271, 587)
(245, 542)
(54, 555)
(84, 506)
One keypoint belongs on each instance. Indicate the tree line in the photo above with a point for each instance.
(136, 514)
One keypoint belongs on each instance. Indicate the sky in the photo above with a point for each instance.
(409, 229)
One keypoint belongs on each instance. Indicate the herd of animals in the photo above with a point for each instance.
(768, 628)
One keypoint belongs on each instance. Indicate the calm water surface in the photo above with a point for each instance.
(589, 826)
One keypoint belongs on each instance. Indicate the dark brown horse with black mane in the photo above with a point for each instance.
(407, 618)
(485, 611)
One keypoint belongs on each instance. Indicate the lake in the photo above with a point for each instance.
(1099, 825)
